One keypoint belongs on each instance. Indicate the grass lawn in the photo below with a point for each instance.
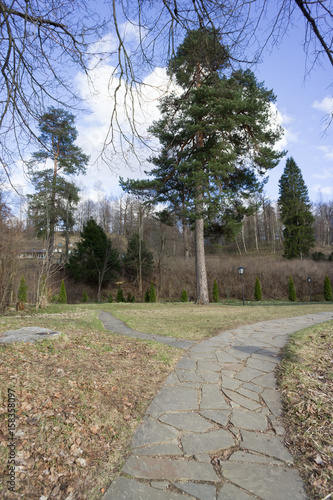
(79, 397)
(306, 381)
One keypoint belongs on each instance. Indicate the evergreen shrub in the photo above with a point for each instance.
(22, 291)
(110, 299)
(184, 297)
(328, 289)
(216, 295)
(120, 295)
(85, 297)
(152, 293)
(257, 291)
(147, 296)
(291, 291)
(62, 297)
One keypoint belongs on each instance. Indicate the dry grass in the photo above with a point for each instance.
(79, 398)
(306, 380)
(189, 321)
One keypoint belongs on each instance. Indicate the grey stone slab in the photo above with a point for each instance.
(202, 356)
(186, 364)
(266, 481)
(248, 394)
(152, 432)
(273, 400)
(218, 416)
(188, 376)
(230, 383)
(208, 366)
(240, 355)
(172, 379)
(267, 380)
(129, 489)
(169, 469)
(244, 419)
(212, 399)
(190, 421)
(28, 334)
(211, 378)
(243, 456)
(265, 444)
(242, 400)
(203, 457)
(231, 492)
(170, 448)
(201, 491)
(224, 357)
(260, 364)
(207, 442)
(160, 485)
(252, 387)
(172, 398)
(248, 374)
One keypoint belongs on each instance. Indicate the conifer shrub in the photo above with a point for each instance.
(184, 297)
(147, 296)
(110, 299)
(22, 291)
(85, 297)
(318, 256)
(216, 295)
(257, 291)
(62, 297)
(330, 257)
(328, 289)
(291, 290)
(152, 293)
(130, 297)
(120, 295)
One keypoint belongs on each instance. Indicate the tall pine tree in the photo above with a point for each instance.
(215, 137)
(295, 209)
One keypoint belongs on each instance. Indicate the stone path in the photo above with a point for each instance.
(27, 334)
(213, 432)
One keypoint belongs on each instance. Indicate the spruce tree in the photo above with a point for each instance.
(291, 290)
(295, 209)
(152, 293)
(328, 289)
(216, 141)
(257, 291)
(22, 291)
(62, 297)
(216, 295)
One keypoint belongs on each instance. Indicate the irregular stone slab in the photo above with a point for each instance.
(248, 394)
(260, 364)
(160, 485)
(273, 400)
(218, 416)
(128, 489)
(266, 481)
(231, 492)
(186, 364)
(190, 421)
(188, 376)
(211, 378)
(267, 380)
(202, 491)
(248, 420)
(202, 355)
(171, 448)
(208, 366)
(248, 374)
(212, 398)
(28, 334)
(243, 456)
(165, 468)
(266, 444)
(207, 442)
(224, 357)
(172, 398)
(151, 432)
(230, 383)
(252, 387)
(241, 400)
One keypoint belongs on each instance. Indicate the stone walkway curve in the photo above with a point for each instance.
(213, 431)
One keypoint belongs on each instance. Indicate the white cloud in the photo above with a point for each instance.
(326, 190)
(283, 119)
(328, 151)
(325, 105)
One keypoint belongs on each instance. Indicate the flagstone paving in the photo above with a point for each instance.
(213, 432)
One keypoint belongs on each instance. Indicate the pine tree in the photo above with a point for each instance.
(94, 260)
(152, 293)
(291, 290)
(22, 291)
(120, 295)
(216, 141)
(328, 289)
(257, 291)
(184, 296)
(216, 295)
(62, 297)
(295, 209)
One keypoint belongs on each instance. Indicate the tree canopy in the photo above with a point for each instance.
(295, 209)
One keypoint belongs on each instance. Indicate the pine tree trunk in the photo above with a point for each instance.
(200, 262)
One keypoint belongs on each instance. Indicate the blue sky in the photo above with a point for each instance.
(303, 101)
